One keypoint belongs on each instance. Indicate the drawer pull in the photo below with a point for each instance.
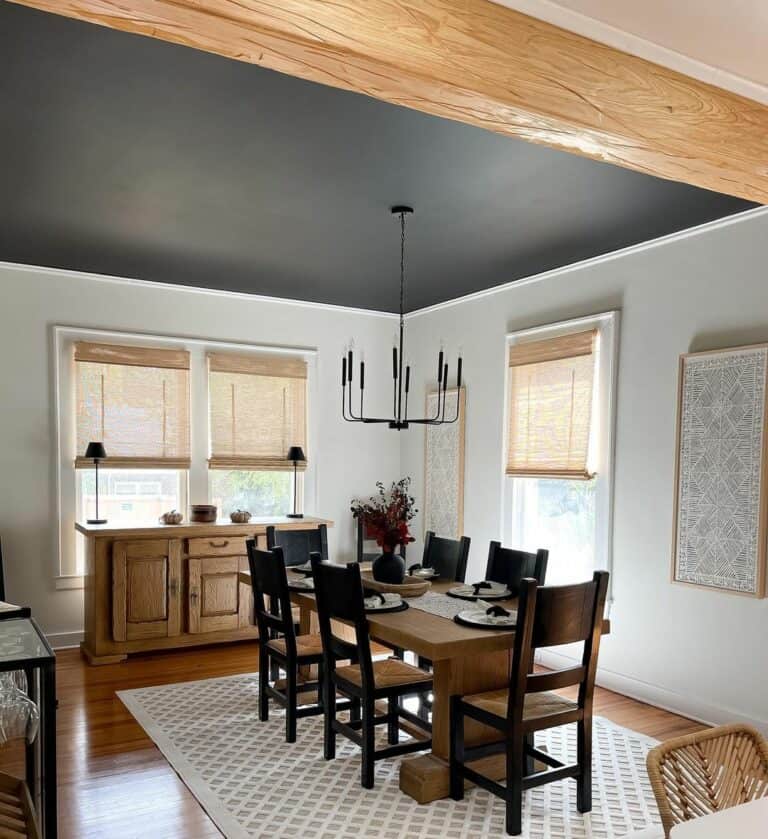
(219, 544)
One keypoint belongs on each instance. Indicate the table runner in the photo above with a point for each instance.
(439, 604)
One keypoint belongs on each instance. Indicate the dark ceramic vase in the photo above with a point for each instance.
(389, 568)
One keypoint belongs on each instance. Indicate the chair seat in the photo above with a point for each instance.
(387, 673)
(306, 645)
(537, 705)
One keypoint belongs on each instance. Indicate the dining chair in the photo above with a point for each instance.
(279, 645)
(547, 616)
(708, 771)
(510, 566)
(339, 596)
(297, 545)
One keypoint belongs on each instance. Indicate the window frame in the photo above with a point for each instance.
(603, 435)
(65, 571)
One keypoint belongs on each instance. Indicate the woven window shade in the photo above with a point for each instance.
(258, 410)
(550, 407)
(136, 401)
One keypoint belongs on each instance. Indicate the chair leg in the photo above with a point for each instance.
(584, 759)
(393, 727)
(354, 710)
(514, 789)
(329, 715)
(263, 682)
(456, 750)
(290, 711)
(528, 761)
(368, 731)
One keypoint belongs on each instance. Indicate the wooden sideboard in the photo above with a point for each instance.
(161, 587)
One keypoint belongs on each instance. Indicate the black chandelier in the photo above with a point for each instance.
(399, 419)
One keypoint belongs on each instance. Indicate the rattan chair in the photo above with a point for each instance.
(708, 771)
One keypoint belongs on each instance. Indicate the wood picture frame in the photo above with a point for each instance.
(720, 524)
(444, 484)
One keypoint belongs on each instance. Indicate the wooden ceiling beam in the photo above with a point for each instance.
(479, 63)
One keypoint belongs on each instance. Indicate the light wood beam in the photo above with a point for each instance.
(479, 63)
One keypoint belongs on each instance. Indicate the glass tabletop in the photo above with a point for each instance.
(20, 639)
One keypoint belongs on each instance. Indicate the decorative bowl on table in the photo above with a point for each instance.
(422, 572)
(240, 517)
(410, 587)
(203, 513)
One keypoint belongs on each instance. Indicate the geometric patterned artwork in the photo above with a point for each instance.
(253, 784)
(720, 528)
(444, 469)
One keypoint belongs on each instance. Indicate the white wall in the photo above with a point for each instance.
(350, 458)
(704, 652)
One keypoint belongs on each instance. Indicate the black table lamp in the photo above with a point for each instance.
(96, 452)
(296, 454)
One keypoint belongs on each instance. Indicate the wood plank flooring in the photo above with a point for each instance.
(113, 781)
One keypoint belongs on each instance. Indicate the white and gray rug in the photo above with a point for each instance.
(253, 784)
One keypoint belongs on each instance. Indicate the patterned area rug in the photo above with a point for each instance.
(253, 784)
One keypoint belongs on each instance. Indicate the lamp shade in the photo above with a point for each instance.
(296, 454)
(95, 451)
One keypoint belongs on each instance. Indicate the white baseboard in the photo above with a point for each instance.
(687, 706)
(64, 640)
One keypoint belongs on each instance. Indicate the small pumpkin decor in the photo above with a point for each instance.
(387, 517)
(172, 517)
(240, 517)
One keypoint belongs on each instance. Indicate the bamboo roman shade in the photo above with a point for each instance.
(135, 400)
(258, 410)
(550, 406)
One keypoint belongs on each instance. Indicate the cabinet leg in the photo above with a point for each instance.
(96, 660)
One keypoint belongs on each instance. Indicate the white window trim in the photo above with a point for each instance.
(602, 456)
(198, 488)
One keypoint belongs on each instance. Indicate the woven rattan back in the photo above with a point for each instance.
(709, 771)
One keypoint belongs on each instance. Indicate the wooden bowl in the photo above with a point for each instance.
(410, 587)
(203, 513)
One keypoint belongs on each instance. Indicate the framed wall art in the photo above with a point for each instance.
(721, 496)
(444, 468)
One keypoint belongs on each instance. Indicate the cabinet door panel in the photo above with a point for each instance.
(215, 594)
(145, 589)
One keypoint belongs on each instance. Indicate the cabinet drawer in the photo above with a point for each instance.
(217, 546)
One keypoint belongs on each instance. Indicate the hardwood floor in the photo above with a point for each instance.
(113, 782)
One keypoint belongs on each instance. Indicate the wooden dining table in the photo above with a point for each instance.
(465, 660)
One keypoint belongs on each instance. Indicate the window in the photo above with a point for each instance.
(257, 412)
(557, 492)
(142, 397)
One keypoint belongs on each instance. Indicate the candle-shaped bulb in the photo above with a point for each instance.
(394, 362)
(362, 375)
(349, 365)
(407, 378)
(445, 376)
(458, 374)
(440, 367)
(343, 371)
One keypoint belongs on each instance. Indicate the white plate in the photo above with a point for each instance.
(424, 573)
(498, 591)
(391, 602)
(304, 583)
(480, 618)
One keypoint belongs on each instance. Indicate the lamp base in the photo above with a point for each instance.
(295, 515)
(96, 521)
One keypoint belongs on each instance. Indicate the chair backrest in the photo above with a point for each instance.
(297, 545)
(362, 537)
(339, 596)
(548, 616)
(447, 556)
(510, 566)
(708, 771)
(271, 598)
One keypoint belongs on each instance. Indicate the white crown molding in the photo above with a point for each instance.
(605, 33)
(63, 273)
(698, 230)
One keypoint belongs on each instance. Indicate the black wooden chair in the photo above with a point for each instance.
(546, 617)
(339, 595)
(510, 566)
(447, 556)
(297, 545)
(279, 645)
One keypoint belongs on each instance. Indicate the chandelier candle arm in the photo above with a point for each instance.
(401, 384)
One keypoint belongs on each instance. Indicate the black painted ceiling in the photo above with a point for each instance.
(128, 156)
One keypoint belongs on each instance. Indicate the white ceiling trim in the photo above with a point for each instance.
(604, 33)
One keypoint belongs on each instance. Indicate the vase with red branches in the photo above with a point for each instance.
(387, 516)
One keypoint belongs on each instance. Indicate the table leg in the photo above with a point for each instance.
(32, 756)
(48, 747)
(425, 778)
